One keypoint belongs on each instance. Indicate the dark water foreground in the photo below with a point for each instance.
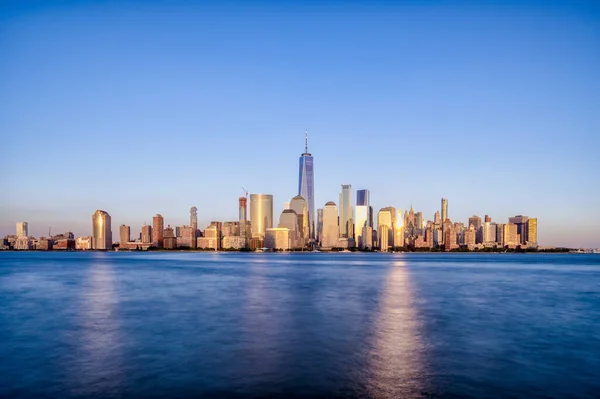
(188, 325)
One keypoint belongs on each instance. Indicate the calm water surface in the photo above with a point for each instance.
(186, 325)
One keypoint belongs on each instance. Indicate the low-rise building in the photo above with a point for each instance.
(277, 238)
(208, 243)
(233, 242)
(83, 243)
(23, 244)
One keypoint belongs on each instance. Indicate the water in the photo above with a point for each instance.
(186, 325)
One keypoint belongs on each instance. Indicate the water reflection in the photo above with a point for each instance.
(97, 363)
(397, 362)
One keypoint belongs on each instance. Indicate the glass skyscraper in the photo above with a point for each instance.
(306, 185)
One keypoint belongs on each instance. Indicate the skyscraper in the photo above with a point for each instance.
(146, 234)
(532, 232)
(444, 209)
(330, 233)
(361, 216)
(242, 209)
(22, 229)
(306, 186)
(194, 219)
(319, 224)
(521, 222)
(101, 230)
(261, 214)
(124, 235)
(158, 225)
(298, 204)
(346, 220)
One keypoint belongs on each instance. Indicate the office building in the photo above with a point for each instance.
(146, 234)
(363, 197)
(346, 222)
(383, 237)
(158, 225)
(277, 238)
(242, 204)
(23, 243)
(475, 221)
(261, 214)
(194, 218)
(531, 240)
(366, 237)
(101, 231)
(511, 235)
(290, 220)
(469, 237)
(169, 238)
(22, 229)
(319, 224)
(521, 222)
(489, 233)
(124, 235)
(362, 217)
(444, 214)
(487, 219)
(330, 235)
(299, 205)
(187, 237)
(306, 186)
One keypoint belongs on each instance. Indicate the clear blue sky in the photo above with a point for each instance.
(147, 107)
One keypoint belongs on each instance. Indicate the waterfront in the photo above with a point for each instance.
(140, 325)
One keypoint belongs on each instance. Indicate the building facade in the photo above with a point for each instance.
(101, 230)
(22, 229)
(330, 235)
(277, 238)
(261, 214)
(306, 186)
(158, 225)
(346, 223)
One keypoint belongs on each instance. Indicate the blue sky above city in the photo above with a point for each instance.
(148, 107)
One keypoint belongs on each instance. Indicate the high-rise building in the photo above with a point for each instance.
(289, 219)
(101, 230)
(261, 214)
(169, 238)
(124, 235)
(475, 221)
(299, 205)
(531, 232)
(511, 236)
(489, 232)
(22, 229)
(521, 222)
(487, 219)
(437, 218)
(361, 216)
(146, 234)
(383, 235)
(158, 225)
(346, 223)
(242, 209)
(187, 237)
(306, 186)
(366, 237)
(319, 224)
(330, 235)
(385, 226)
(444, 209)
(194, 218)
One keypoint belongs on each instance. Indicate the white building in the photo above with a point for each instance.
(22, 229)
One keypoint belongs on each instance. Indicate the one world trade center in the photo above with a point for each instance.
(306, 185)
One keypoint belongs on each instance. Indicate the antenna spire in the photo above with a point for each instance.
(306, 142)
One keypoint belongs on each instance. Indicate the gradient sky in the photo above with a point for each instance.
(147, 107)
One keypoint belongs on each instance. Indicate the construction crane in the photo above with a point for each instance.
(246, 191)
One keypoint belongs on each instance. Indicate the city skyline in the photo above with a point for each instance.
(464, 110)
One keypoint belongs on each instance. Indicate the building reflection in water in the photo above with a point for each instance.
(96, 366)
(261, 330)
(397, 366)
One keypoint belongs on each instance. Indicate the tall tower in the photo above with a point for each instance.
(242, 211)
(361, 215)
(158, 225)
(306, 185)
(346, 221)
(101, 230)
(124, 235)
(194, 219)
(261, 214)
(444, 209)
